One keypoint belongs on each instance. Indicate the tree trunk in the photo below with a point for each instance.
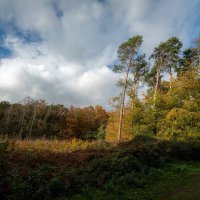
(199, 59)
(122, 105)
(8, 119)
(156, 86)
(171, 78)
(135, 88)
(22, 123)
(32, 121)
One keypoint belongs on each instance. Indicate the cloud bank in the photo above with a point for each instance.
(60, 50)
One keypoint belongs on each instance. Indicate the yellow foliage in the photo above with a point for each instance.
(113, 125)
(58, 145)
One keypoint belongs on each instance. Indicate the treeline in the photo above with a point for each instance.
(170, 107)
(36, 119)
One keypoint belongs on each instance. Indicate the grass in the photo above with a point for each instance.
(187, 189)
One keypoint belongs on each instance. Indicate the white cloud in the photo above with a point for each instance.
(78, 40)
(52, 77)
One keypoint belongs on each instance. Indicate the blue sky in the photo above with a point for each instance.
(60, 50)
(4, 52)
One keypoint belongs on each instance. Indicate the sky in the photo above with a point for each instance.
(63, 50)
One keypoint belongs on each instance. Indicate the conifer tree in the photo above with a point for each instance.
(165, 57)
(128, 57)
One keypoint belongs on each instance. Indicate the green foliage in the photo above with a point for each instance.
(101, 132)
(176, 112)
(169, 51)
(129, 48)
(187, 62)
(180, 123)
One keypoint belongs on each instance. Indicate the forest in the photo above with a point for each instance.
(144, 147)
(34, 119)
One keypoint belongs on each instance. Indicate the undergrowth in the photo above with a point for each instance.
(43, 174)
(59, 145)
